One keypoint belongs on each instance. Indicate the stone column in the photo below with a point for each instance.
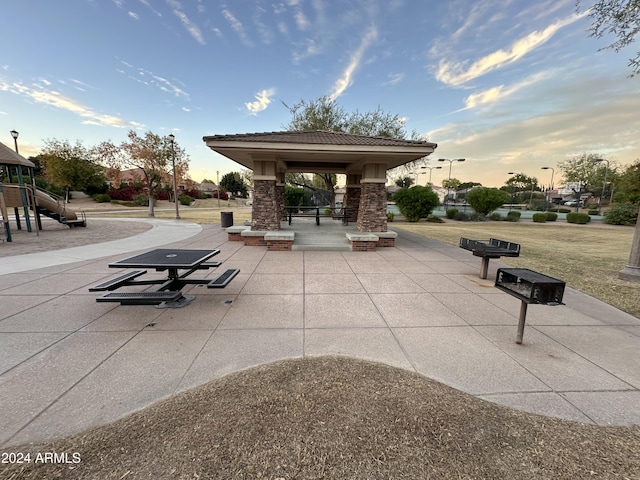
(266, 210)
(632, 271)
(372, 212)
(352, 196)
(280, 184)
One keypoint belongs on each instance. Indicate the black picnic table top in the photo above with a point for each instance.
(166, 258)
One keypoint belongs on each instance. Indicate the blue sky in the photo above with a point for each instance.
(508, 85)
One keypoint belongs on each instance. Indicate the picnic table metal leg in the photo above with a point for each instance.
(523, 316)
(318, 216)
(484, 267)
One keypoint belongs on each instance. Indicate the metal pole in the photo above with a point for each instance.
(521, 320)
(175, 180)
(218, 181)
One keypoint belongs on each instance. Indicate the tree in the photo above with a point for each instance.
(233, 183)
(404, 182)
(628, 184)
(485, 200)
(451, 184)
(325, 114)
(72, 167)
(152, 154)
(619, 18)
(416, 202)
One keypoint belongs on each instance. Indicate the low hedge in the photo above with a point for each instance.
(578, 217)
(451, 213)
(513, 216)
(551, 217)
(539, 217)
(101, 198)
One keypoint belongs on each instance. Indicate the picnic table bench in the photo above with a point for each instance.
(179, 265)
(493, 248)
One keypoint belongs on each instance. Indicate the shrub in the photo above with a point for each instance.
(461, 216)
(495, 216)
(416, 202)
(390, 216)
(185, 200)
(551, 217)
(564, 210)
(622, 214)
(513, 216)
(578, 217)
(593, 212)
(101, 198)
(140, 200)
(539, 217)
(451, 212)
(434, 219)
(485, 200)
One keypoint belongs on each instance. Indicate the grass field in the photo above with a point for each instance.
(587, 257)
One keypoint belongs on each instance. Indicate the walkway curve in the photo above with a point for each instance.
(161, 233)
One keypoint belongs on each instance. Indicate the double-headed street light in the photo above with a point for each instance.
(431, 171)
(449, 183)
(172, 139)
(551, 185)
(604, 184)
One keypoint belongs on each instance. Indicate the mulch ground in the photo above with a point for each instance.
(337, 418)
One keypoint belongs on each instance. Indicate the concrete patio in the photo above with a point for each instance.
(68, 363)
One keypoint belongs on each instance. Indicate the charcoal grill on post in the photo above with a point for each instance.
(529, 287)
(494, 248)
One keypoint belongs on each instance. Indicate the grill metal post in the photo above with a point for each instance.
(521, 320)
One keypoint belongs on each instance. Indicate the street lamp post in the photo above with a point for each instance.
(604, 184)
(551, 186)
(449, 183)
(14, 134)
(218, 182)
(511, 191)
(431, 171)
(172, 139)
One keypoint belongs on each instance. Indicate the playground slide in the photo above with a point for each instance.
(46, 201)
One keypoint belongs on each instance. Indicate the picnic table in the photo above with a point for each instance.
(179, 265)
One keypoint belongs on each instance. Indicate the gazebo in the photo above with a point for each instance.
(363, 159)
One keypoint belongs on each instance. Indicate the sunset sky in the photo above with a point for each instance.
(508, 85)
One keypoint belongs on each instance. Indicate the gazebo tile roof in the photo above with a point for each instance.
(317, 137)
(9, 157)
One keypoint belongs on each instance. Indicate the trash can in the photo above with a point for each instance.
(226, 219)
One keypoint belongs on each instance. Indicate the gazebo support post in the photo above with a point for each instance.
(352, 196)
(372, 212)
(266, 209)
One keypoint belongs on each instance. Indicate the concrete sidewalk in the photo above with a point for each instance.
(68, 363)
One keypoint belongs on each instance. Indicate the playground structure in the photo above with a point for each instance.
(19, 194)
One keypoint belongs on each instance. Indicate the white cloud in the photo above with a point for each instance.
(263, 99)
(459, 73)
(57, 100)
(394, 78)
(346, 79)
(193, 29)
(237, 27)
(133, 15)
